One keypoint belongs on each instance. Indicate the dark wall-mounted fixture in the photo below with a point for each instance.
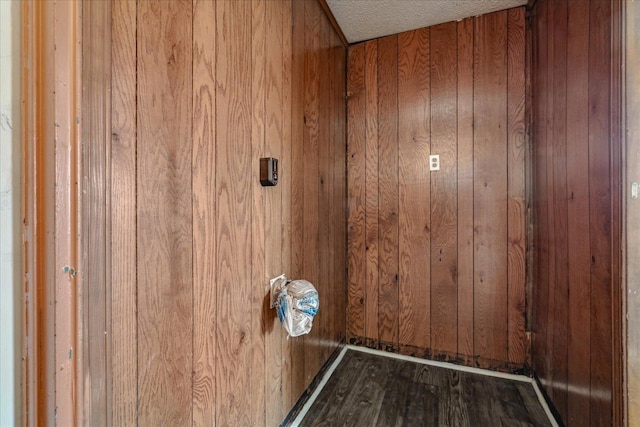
(268, 171)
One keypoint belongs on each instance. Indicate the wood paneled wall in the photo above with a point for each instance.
(437, 259)
(576, 168)
(51, 254)
(201, 91)
(318, 241)
(632, 212)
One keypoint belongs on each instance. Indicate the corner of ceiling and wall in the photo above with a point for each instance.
(369, 19)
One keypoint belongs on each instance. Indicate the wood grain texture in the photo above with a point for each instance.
(550, 202)
(372, 231)
(414, 139)
(356, 172)
(164, 213)
(311, 147)
(600, 225)
(212, 87)
(574, 98)
(287, 186)
(540, 198)
(204, 209)
(339, 90)
(490, 187)
(260, 349)
(67, 92)
(38, 170)
(338, 197)
(444, 209)
(323, 322)
(123, 213)
(517, 205)
(367, 389)
(233, 217)
(388, 189)
(330, 183)
(579, 262)
(316, 124)
(617, 167)
(297, 179)
(465, 189)
(451, 97)
(558, 152)
(372, 390)
(632, 219)
(96, 301)
(334, 24)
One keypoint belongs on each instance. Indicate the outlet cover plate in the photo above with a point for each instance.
(434, 162)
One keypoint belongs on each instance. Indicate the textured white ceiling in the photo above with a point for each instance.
(367, 19)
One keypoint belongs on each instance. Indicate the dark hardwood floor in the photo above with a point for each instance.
(372, 390)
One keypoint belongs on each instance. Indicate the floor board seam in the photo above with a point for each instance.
(513, 377)
(303, 412)
(445, 365)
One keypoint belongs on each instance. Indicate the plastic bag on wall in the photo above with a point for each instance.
(297, 304)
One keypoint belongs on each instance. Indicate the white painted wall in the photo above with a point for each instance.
(10, 258)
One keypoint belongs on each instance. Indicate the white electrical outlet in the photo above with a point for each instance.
(434, 163)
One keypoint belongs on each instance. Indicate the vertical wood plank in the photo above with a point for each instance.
(541, 289)
(631, 221)
(576, 324)
(39, 175)
(34, 388)
(600, 210)
(550, 205)
(273, 147)
(95, 200)
(249, 107)
(311, 146)
(323, 321)
(414, 139)
(260, 346)
(516, 185)
(356, 142)
(465, 189)
(559, 213)
(529, 183)
(490, 187)
(204, 212)
(444, 218)
(297, 178)
(340, 188)
(123, 213)
(67, 92)
(388, 189)
(164, 213)
(337, 219)
(617, 158)
(372, 234)
(428, 70)
(286, 176)
(233, 220)
(579, 260)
